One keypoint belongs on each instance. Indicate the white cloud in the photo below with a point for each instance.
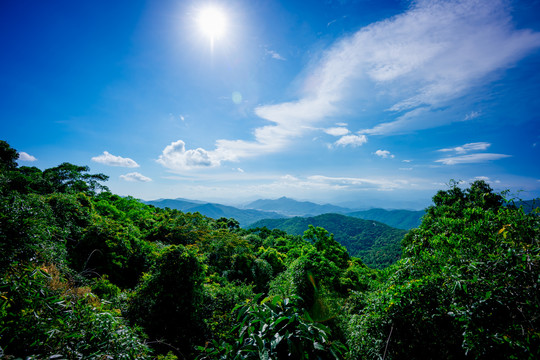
(351, 140)
(112, 160)
(406, 169)
(275, 55)
(135, 176)
(26, 157)
(472, 158)
(364, 183)
(434, 52)
(486, 179)
(417, 119)
(385, 154)
(289, 177)
(472, 115)
(337, 131)
(176, 157)
(463, 149)
(406, 161)
(291, 120)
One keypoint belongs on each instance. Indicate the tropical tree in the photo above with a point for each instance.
(68, 177)
(168, 301)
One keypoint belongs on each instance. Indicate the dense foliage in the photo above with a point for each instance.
(377, 244)
(86, 274)
(466, 286)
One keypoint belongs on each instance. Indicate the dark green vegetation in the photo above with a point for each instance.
(86, 274)
(377, 244)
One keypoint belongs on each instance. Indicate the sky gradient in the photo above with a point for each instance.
(361, 103)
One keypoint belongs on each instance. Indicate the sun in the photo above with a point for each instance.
(212, 22)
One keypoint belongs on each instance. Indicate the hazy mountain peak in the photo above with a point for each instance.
(291, 207)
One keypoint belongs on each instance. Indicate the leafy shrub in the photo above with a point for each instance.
(41, 316)
(104, 288)
(220, 298)
(275, 328)
(112, 248)
(24, 230)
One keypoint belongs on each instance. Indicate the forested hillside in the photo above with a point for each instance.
(401, 219)
(86, 274)
(377, 244)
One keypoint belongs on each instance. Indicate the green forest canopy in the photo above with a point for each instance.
(89, 274)
(377, 244)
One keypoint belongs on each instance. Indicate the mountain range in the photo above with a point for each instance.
(285, 208)
(216, 211)
(528, 205)
(290, 207)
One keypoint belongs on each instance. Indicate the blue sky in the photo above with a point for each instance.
(364, 103)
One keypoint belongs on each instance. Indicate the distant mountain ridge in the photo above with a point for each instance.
(285, 208)
(215, 211)
(377, 244)
(401, 219)
(291, 207)
(528, 205)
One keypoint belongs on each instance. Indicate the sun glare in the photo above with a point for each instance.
(212, 22)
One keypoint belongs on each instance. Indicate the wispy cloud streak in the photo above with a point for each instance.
(468, 147)
(472, 158)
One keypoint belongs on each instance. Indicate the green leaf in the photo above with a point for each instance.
(259, 341)
(280, 320)
(277, 339)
